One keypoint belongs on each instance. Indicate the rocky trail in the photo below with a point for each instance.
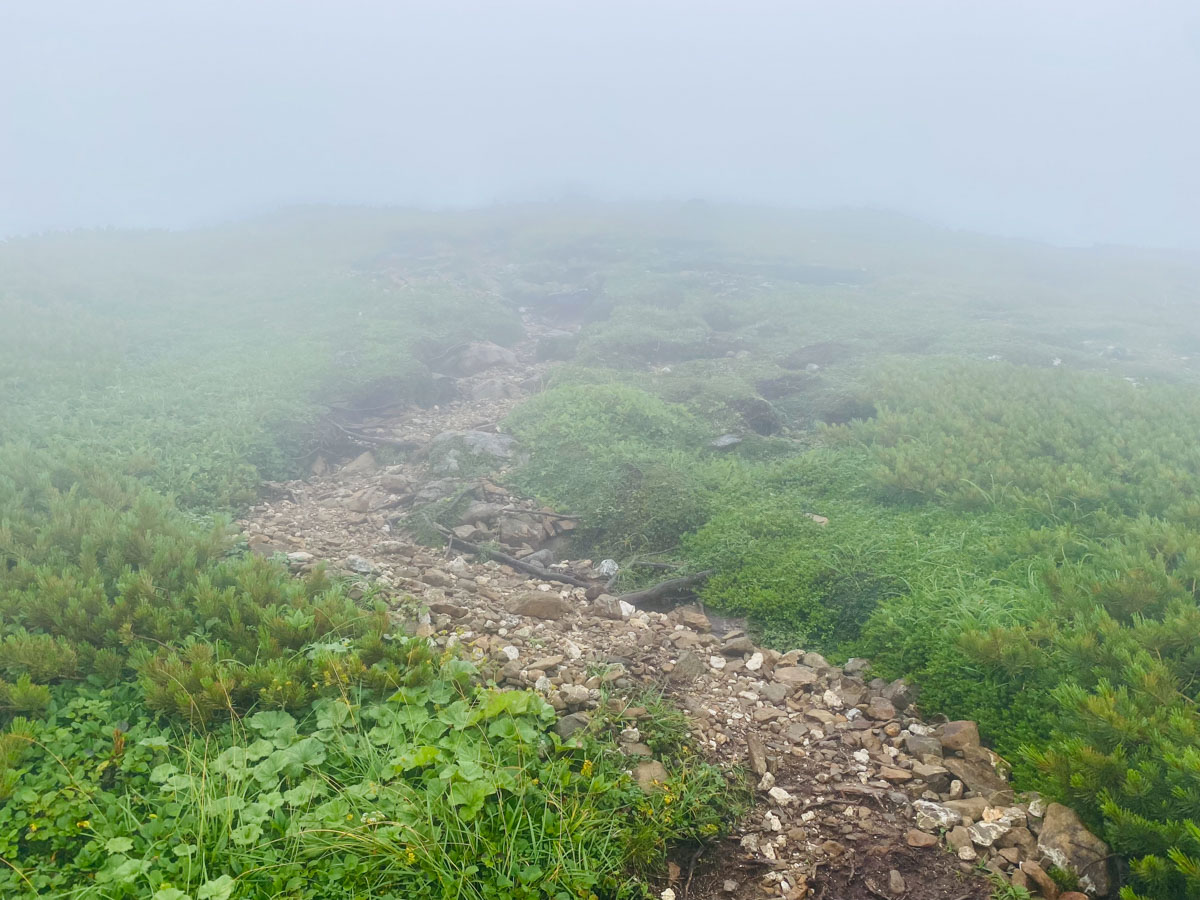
(855, 796)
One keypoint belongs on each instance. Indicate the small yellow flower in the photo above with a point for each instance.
(586, 770)
(154, 815)
(84, 823)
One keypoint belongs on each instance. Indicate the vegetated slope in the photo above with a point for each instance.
(1011, 499)
(186, 721)
(198, 364)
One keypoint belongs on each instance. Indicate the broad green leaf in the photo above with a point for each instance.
(161, 773)
(118, 845)
(216, 889)
(416, 757)
(457, 715)
(271, 722)
(468, 797)
(305, 792)
(245, 835)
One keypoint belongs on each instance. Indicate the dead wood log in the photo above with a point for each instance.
(666, 594)
(512, 561)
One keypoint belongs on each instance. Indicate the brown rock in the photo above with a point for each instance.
(1072, 895)
(959, 735)
(1066, 841)
(881, 709)
(937, 777)
(958, 837)
(976, 776)
(795, 675)
(1020, 839)
(539, 606)
(649, 775)
(693, 619)
(920, 839)
(894, 775)
(1036, 874)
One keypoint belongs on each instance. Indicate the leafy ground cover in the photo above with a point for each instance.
(1010, 489)
(1011, 522)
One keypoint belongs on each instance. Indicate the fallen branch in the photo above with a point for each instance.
(374, 439)
(535, 512)
(663, 593)
(512, 561)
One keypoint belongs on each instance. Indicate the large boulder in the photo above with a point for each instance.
(451, 451)
(1069, 845)
(477, 356)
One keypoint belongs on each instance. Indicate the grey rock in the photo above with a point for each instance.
(359, 565)
(757, 752)
(985, 834)
(900, 693)
(738, 645)
(493, 389)
(935, 815)
(568, 725)
(775, 692)
(543, 558)
(922, 745)
(856, 665)
(479, 443)
(364, 462)
(687, 667)
(725, 441)
(477, 356)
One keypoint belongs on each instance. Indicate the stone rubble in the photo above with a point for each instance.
(844, 768)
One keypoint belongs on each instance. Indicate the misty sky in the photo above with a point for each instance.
(1072, 121)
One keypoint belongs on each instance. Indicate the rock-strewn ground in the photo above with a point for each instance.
(856, 797)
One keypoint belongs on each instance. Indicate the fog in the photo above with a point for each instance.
(1074, 122)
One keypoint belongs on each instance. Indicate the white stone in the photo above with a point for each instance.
(510, 651)
(717, 662)
(831, 700)
(627, 609)
(755, 662)
(862, 756)
(779, 795)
